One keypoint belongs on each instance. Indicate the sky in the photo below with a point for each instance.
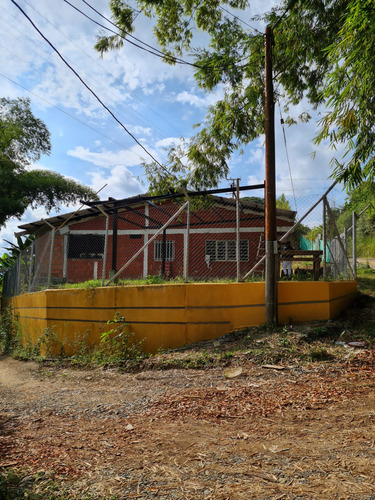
(157, 103)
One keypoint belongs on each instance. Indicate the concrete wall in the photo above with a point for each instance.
(171, 316)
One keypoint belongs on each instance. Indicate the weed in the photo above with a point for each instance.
(117, 346)
(7, 327)
(83, 351)
(20, 485)
(284, 341)
(320, 331)
(117, 343)
(49, 343)
(319, 354)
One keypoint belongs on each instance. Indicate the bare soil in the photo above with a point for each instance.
(300, 432)
(366, 262)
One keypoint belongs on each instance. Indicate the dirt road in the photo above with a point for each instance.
(363, 261)
(294, 433)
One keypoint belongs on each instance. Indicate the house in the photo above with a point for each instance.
(199, 243)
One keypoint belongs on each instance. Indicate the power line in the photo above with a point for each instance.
(115, 79)
(90, 90)
(288, 7)
(287, 154)
(150, 49)
(140, 119)
(76, 119)
(147, 48)
(241, 20)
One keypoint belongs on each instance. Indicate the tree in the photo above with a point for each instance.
(323, 52)
(23, 139)
(253, 199)
(282, 202)
(357, 200)
(350, 94)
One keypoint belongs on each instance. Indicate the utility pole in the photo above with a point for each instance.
(114, 237)
(270, 187)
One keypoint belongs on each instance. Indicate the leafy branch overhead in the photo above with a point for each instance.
(23, 140)
(323, 54)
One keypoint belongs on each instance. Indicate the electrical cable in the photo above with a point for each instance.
(241, 20)
(152, 50)
(138, 119)
(147, 47)
(287, 154)
(288, 7)
(126, 32)
(90, 90)
(141, 118)
(77, 120)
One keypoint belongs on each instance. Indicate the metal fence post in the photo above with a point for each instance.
(18, 274)
(31, 265)
(238, 228)
(186, 243)
(324, 239)
(346, 250)
(50, 251)
(50, 257)
(354, 243)
(105, 242)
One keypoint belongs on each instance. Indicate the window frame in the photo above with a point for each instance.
(222, 250)
(170, 248)
(85, 242)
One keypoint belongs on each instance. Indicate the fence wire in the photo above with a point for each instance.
(208, 238)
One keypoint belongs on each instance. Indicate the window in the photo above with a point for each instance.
(85, 246)
(169, 250)
(225, 250)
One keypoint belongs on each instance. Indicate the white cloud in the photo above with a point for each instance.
(138, 130)
(120, 183)
(197, 101)
(167, 142)
(128, 157)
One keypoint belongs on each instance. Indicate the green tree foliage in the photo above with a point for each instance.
(253, 199)
(358, 200)
(324, 53)
(23, 139)
(349, 93)
(282, 202)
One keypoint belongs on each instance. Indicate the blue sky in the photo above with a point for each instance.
(157, 102)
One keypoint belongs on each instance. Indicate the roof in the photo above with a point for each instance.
(95, 209)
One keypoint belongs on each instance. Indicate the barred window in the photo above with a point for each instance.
(225, 250)
(85, 246)
(169, 250)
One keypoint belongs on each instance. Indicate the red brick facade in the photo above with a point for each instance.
(77, 255)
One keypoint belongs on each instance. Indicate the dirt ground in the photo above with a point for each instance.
(294, 433)
(367, 262)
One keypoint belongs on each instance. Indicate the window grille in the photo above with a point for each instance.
(169, 250)
(85, 246)
(225, 250)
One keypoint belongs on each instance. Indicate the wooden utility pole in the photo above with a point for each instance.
(270, 187)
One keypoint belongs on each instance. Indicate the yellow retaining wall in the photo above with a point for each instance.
(171, 316)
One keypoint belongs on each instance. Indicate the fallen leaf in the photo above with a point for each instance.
(274, 367)
(242, 435)
(232, 372)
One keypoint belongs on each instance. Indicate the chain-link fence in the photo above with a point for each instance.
(190, 238)
(319, 246)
